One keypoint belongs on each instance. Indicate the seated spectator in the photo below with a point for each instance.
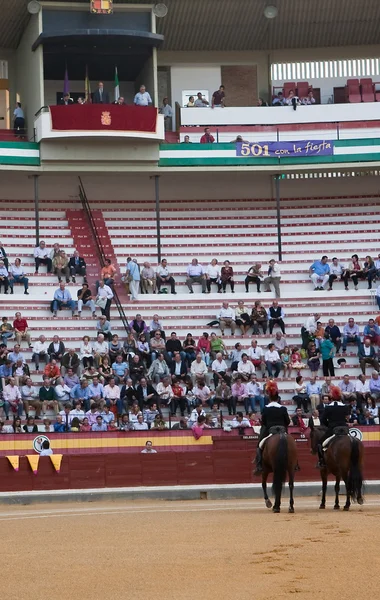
(256, 355)
(280, 342)
(301, 396)
(219, 369)
(325, 401)
(71, 379)
(163, 276)
(372, 408)
(204, 347)
(12, 399)
(165, 391)
(128, 396)
(62, 299)
(207, 137)
(77, 266)
(100, 349)
(272, 361)
(115, 347)
(354, 271)
(158, 369)
(309, 99)
(334, 334)
(362, 391)
(138, 326)
(366, 419)
(254, 275)
(319, 273)
(245, 368)
(70, 360)
(41, 257)
(86, 352)
(313, 358)
(4, 278)
(30, 425)
(77, 411)
(178, 367)
(235, 356)
(62, 392)
(212, 275)
(61, 266)
(156, 325)
(157, 344)
(107, 274)
(21, 329)
(146, 394)
(182, 424)
(99, 425)
(308, 330)
(85, 298)
(298, 421)
(226, 318)
(216, 345)
(16, 274)
(5, 373)
(136, 369)
(55, 250)
(103, 326)
(85, 426)
(96, 391)
(59, 425)
(262, 102)
(52, 371)
(105, 370)
(198, 369)
(20, 371)
(239, 394)
(140, 425)
(369, 270)
(195, 414)
(104, 299)
(29, 397)
(276, 316)
(372, 332)
(47, 397)
(189, 347)
(292, 100)
(313, 390)
(56, 349)
(90, 373)
(254, 394)
(374, 385)
(125, 425)
(107, 415)
(143, 349)
(130, 346)
(3, 255)
(40, 352)
(378, 295)
(337, 271)
(319, 334)
(195, 274)
(6, 331)
(278, 100)
(93, 414)
(16, 355)
(273, 277)
(347, 388)
(242, 318)
(367, 355)
(178, 398)
(259, 318)
(201, 101)
(222, 394)
(227, 276)
(351, 334)
(148, 279)
(81, 393)
(142, 98)
(240, 421)
(17, 427)
(173, 345)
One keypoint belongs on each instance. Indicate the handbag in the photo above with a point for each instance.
(101, 302)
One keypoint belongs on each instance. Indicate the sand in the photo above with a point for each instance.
(185, 550)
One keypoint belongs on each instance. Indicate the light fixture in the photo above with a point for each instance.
(160, 10)
(270, 11)
(34, 7)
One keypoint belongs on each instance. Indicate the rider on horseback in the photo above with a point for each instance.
(334, 415)
(273, 415)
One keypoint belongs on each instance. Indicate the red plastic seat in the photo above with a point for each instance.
(289, 85)
(368, 89)
(302, 89)
(353, 90)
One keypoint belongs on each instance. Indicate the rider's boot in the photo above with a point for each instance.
(259, 462)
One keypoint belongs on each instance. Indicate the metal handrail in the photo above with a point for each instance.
(100, 250)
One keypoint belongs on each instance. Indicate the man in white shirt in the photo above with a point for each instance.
(148, 448)
(4, 280)
(245, 368)
(240, 421)
(255, 394)
(226, 318)
(40, 351)
(274, 276)
(195, 274)
(308, 329)
(167, 111)
(100, 348)
(198, 369)
(336, 272)
(12, 398)
(212, 274)
(202, 393)
(105, 294)
(140, 425)
(17, 275)
(219, 369)
(142, 97)
(29, 395)
(273, 361)
(41, 257)
(163, 277)
(195, 413)
(62, 392)
(77, 411)
(256, 355)
(363, 393)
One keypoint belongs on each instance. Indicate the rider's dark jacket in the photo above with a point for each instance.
(273, 414)
(333, 416)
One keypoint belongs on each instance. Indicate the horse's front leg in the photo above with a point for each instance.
(337, 487)
(264, 478)
(324, 488)
(291, 488)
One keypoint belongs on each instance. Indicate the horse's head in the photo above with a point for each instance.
(316, 434)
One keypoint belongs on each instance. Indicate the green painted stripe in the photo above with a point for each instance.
(236, 161)
(14, 160)
(20, 145)
(363, 142)
(182, 147)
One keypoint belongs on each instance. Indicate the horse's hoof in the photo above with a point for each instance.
(291, 509)
(275, 510)
(360, 501)
(322, 506)
(336, 507)
(346, 508)
(268, 503)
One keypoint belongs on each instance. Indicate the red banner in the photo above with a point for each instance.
(103, 117)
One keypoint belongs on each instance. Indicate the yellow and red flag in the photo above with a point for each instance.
(101, 7)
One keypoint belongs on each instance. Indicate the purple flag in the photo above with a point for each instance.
(66, 83)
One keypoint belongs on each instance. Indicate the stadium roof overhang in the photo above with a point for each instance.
(239, 25)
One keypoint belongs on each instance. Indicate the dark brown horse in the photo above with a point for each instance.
(343, 459)
(279, 458)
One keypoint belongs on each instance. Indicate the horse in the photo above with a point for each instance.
(279, 458)
(344, 460)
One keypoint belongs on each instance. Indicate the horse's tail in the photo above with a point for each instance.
(355, 476)
(280, 464)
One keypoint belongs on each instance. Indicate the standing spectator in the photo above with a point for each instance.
(200, 102)
(21, 329)
(142, 98)
(148, 279)
(77, 266)
(62, 299)
(207, 138)
(351, 334)
(85, 298)
(327, 351)
(4, 277)
(40, 351)
(61, 266)
(218, 97)
(6, 331)
(254, 275)
(276, 317)
(195, 274)
(367, 355)
(259, 317)
(100, 96)
(41, 256)
(336, 272)
(319, 273)
(227, 276)
(273, 361)
(226, 318)
(334, 334)
(212, 275)
(274, 277)
(17, 275)
(133, 275)
(164, 276)
(167, 111)
(104, 299)
(19, 121)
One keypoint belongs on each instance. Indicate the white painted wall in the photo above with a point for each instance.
(53, 86)
(197, 77)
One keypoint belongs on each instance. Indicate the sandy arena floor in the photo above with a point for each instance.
(187, 550)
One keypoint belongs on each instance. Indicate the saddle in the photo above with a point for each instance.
(338, 432)
(272, 431)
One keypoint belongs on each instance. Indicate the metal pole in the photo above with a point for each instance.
(37, 208)
(278, 210)
(158, 222)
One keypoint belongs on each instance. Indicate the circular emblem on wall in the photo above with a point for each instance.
(356, 433)
(38, 441)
